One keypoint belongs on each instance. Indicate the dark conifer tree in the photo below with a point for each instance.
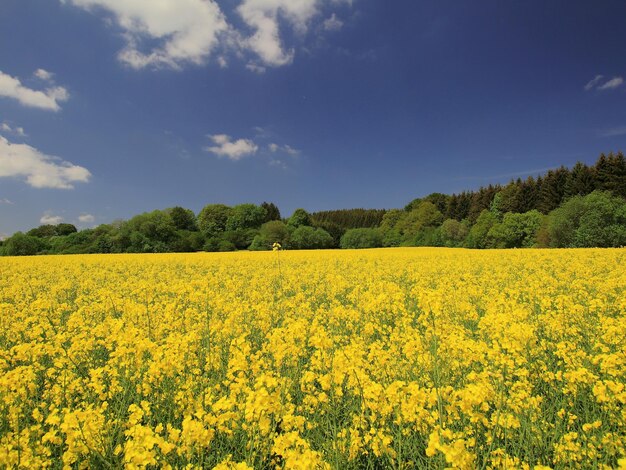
(271, 211)
(611, 173)
(527, 195)
(580, 181)
(553, 189)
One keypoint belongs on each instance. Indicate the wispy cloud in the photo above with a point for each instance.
(48, 99)
(615, 131)
(6, 201)
(333, 23)
(256, 68)
(18, 131)
(233, 150)
(44, 75)
(611, 84)
(592, 83)
(50, 219)
(38, 169)
(289, 150)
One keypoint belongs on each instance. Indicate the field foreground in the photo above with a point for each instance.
(399, 358)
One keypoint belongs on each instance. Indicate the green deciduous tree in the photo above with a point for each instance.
(309, 238)
(453, 232)
(245, 216)
(362, 238)
(212, 219)
(270, 233)
(299, 217)
(595, 220)
(477, 236)
(22, 245)
(183, 219)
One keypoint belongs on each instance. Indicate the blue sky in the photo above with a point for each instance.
(110, 108)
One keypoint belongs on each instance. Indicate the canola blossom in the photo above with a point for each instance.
(389, 358)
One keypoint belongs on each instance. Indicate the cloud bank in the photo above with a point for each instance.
(191, 31)
(38, 169)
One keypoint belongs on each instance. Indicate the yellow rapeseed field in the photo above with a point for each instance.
(389, 358)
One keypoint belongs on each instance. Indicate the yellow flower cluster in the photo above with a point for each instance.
(399, 358)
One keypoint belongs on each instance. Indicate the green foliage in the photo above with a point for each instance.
(552, 190)
(244, 217)
(428, 236)
(22, 245)
(580, 181)
(241, 239)
(187, 241)
(212, 244)
(595, 220)
(453, 233)
(423, 216)
(309, 238)
(298, 218)
(611, 174)
(515, 230)
(269, 233)
(335, 230)
(349, 218)
(183, 219)
(271, 211)
(46, 231)
(151, 232)
(493, 216)
(212, 219)
(391, 237)
(477, 236)
(362, 238)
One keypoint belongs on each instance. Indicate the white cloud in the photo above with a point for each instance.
(6, 201)
(38, 169)
(262, 16)
(256, 68)
(592, 83)
(3, 236)
(43, 75)
(289, 150)
(612, 83)
(187, 31)
(172, 33)
(18, 131)
(236, 150)
(615, 82)
(86, 218)
(49, 99)
(49, 219)
(333, 23)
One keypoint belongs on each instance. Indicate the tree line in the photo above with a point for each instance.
(584, 206)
